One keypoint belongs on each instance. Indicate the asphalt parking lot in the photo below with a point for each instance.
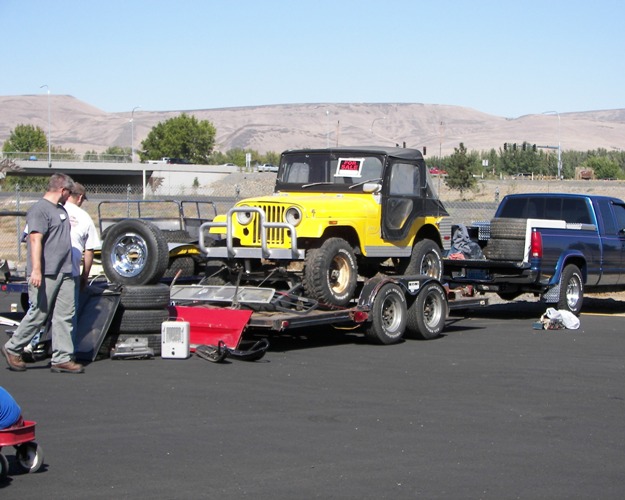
(493, 409)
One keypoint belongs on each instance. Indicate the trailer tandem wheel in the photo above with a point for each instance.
(427, 313)
(389, 315)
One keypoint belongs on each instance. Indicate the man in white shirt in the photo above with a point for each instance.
(84, 235)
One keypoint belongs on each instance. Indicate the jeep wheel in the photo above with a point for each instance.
(388, 315)
(330, 272)
(134, 252)
(426, 259)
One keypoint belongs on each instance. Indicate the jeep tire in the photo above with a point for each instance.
(426, 259)
(330, 272)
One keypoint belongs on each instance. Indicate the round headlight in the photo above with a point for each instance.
(293, 216)
(244, 218)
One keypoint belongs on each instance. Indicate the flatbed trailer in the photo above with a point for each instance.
(387, 309)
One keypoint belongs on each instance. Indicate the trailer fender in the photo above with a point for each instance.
(411, 285)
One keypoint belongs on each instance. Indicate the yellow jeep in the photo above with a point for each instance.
(335, 214)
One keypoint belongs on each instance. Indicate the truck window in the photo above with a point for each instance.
(575, 210)
(619, 215)
(553, 209)
(514, 208)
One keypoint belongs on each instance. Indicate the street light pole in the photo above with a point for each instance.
(132, 134)
(559, 143)
(49, 130)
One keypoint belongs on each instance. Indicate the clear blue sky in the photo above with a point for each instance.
(500, 57)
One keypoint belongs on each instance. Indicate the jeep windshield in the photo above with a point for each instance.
(329, 171)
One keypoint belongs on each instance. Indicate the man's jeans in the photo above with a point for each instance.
(54, 297)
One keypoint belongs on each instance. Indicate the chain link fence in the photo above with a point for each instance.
(14, 205)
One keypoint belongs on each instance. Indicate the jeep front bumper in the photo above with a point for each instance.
(229, 251)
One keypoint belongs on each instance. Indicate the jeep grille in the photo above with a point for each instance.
(273, 213)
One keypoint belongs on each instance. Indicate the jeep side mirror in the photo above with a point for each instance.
(372, 187)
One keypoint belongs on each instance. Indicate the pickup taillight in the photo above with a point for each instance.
(536, 248)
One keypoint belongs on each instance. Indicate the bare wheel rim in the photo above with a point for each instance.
(430, 265)
(391, 314)
(339, 274)
(129, 255)
(432, 310)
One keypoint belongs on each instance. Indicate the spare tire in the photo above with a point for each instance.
(134, 252)
(501, 249)
(508, 228)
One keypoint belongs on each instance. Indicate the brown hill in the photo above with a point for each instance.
(75, 124)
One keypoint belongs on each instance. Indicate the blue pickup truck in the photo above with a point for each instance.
(556, 246)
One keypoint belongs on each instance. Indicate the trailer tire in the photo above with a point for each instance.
(426, 259)
(186, 266)
(508, 228)
(500, 249)
(389, 315)
(427, 313)
(145, 296)
(134, 252)
(571, 290)
(330, 272)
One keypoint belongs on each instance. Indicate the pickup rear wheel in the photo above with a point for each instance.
(389, 313)
(330, 272)
(426, 259)
(571, 289)
(428, 313)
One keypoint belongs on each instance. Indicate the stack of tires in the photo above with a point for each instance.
(507, 239)
(135, 255)
(141, 312)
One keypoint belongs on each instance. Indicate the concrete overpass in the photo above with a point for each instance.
(135, 174)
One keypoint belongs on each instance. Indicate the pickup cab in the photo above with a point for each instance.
(556, 246)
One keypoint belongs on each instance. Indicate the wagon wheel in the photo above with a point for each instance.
(4, 468)
(29, 456)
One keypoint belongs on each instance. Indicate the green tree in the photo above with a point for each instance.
(180, 137)
(91, 155)
(460, 170)
(26, 139)
(603, 167)
(271, 157)
(116, 154)
(60, 153)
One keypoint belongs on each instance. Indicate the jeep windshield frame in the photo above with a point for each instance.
(330, 170)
